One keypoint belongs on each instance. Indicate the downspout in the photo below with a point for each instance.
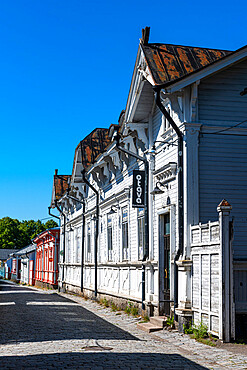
(146, 247)
(83, 234)
(157, 90)
(56, 249)
(64, 225)
(96, 231)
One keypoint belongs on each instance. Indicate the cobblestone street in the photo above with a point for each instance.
(43, 329)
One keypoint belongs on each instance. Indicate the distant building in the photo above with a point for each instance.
(26, 258)
(47, 249)
(5, 267)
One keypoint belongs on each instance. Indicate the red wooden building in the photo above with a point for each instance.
(46, 269)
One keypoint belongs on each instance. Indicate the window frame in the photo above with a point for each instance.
(125, 234)
(141, 232)
(109, 238)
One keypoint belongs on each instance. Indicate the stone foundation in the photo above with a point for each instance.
(120, 302)
(41, 284)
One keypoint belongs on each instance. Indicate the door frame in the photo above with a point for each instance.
(161, 213)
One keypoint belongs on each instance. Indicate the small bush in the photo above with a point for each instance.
(134, 311)
(104, 302)
(188, 329)
(114, 307)
(200, 330)
(145, 318)
(128, 308)
(170, 322)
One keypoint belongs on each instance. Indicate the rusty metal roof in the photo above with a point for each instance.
(168, 63)
(61, 185)
(92, 145)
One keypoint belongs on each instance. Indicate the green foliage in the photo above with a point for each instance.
(188, 329)
(114, 307)
(170, 322)
(208, 342)
(50, 224)
(134, 311)
(15, 234)
(200, 330)
(130, 309)
(145, 318)
(200, 333)
(104, 302)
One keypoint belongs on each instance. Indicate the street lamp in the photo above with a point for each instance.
(157, 189)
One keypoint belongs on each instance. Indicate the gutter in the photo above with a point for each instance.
(95, 234)
(146, 216)
(82, 235)
(157, 90)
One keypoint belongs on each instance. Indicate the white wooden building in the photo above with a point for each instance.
(186, 119)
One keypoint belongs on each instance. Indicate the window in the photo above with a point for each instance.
(125, 232)
(109, 237)
(78, 245)
(88, 243)
(68, 241)
(141, 233)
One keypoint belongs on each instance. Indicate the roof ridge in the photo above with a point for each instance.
(186, 46)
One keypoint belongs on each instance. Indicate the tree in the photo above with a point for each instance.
(11, 236)
(32, 228)
(50, 224)
(16, 234)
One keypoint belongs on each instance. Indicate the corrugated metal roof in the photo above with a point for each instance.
(168, 63)
(5, 253)
(28, 249)
(61, 185)
(94, 144)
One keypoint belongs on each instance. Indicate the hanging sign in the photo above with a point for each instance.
(138, 200)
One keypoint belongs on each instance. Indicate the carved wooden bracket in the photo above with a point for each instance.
(166, 173)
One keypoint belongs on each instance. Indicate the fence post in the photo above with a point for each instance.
(224, 209)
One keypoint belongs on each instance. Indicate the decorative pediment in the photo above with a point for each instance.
(166, 173)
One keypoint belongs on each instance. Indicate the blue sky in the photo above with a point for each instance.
(66, 67)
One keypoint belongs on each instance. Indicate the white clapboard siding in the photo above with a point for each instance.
(219, 99)
(156, 123)
(223, 175)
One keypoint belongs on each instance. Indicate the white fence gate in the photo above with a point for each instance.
(212, 275)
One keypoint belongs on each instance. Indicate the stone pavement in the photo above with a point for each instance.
(47, 330)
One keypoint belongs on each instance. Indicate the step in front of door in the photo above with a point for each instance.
(149, 327)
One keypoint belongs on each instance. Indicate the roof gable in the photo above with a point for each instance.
(89, 148)
(167, 62)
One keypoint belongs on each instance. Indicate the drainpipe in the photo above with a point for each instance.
(64, 225)
(82, 235)
(146, 247)
(96, 231)
(55, 255)
(157, 90)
